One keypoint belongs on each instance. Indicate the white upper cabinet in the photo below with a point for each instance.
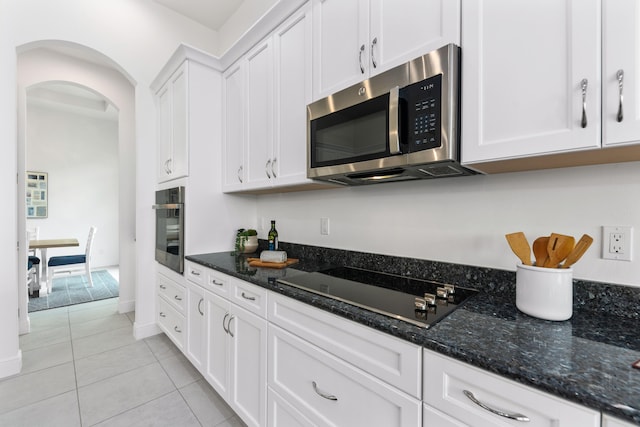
(265, 95)
(233, 127)
(621, 72)
(530, 78)
(173, 147)
(353, 40)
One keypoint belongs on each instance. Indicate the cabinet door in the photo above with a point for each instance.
(340, 51)
(179, 119)
(292, 53)
(196, 327)
(621, 55)
(259, 69)
(609, 421)
(233, 127)
(524, 63)
(164, 134)
(248, 338)
(217, 315)
(394, 25)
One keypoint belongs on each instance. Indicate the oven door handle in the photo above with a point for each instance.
(169, 206)
(394, 113)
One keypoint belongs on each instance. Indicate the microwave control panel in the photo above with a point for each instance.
(422, 101)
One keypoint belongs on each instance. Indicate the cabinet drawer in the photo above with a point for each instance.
(249, 297)
(282, 413)
(171, 322)
(328, 391)
(172, 292)
(445, 381)
(219, 283)
(395, 361)
(195, 272)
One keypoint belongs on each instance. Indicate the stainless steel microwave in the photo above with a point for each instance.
(169, 209)
(402, 124)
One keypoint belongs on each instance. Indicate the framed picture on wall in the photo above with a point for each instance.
(37, 194)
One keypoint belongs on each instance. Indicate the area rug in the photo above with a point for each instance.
(70, 290)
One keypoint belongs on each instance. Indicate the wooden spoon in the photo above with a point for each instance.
(540, 250)
(520, 246)
(577, 252)
(559, 247)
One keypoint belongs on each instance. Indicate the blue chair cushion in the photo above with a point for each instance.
(29, 265)
(66, 260)
(34, 259)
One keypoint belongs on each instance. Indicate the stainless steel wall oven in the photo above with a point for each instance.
(169, 209)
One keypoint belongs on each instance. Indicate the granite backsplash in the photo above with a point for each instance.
(612, 299)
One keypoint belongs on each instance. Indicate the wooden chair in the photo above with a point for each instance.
(69, 263)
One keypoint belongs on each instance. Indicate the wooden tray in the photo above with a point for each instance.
(255, 262)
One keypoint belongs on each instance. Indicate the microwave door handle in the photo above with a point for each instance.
(394, 112)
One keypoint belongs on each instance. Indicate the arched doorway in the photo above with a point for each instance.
(40, 64)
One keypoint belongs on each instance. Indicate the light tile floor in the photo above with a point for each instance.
(82, 367)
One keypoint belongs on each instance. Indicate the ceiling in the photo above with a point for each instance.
(210, 13)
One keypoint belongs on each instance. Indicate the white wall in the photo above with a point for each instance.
(464, 220)
(80, 155)
(139, 36)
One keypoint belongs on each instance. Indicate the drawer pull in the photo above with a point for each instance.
(517, 417)
(163, 287)
(213, 281)
(195, 273)
(200, 307)
(162, 314)
(321, 394)
(249, 298)
(177, 298)
(178, 330)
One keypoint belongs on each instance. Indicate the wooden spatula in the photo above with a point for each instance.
(520, 246)
(540, 250)
(558, 248)
(579, 250)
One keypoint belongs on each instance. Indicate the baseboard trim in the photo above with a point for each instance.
(126, 306)
(145, 331)
(11, 366)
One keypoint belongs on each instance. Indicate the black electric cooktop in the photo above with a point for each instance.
(394, 296)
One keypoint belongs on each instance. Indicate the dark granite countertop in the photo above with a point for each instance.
(586, 359)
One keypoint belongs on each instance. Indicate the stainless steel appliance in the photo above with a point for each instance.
(419, 302)
(169, 209)
(402, 124)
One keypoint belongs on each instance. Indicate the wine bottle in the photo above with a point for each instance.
(273, 237)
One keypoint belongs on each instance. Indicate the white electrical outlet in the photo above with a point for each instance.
(617, 242)
(324, 226)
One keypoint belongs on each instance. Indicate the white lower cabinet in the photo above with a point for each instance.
(457, 394)
(236, 357)
(196, 326)
(170, 309)
(608, 421)
(283, 414)
(328, 391)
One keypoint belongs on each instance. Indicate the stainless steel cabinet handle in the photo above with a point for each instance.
(167, 166)
(200, 307)
(249, 298)
(583, 85)
(213, 281)
(517, 417)
(224, 320)
(374, 42)
(195, 273)
(322, 394)
(162, 314)
(360, 59)
(620, 76)
(240, 174)
(266, 168)
(163, 287)
(273, 167)
(177, 298)
(178, 330)
(229, 326)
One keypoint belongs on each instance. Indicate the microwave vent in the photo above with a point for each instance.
(437, 171)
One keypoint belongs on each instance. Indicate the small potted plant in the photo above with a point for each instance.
(246, 241)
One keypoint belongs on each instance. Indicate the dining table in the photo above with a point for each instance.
(43, 245)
